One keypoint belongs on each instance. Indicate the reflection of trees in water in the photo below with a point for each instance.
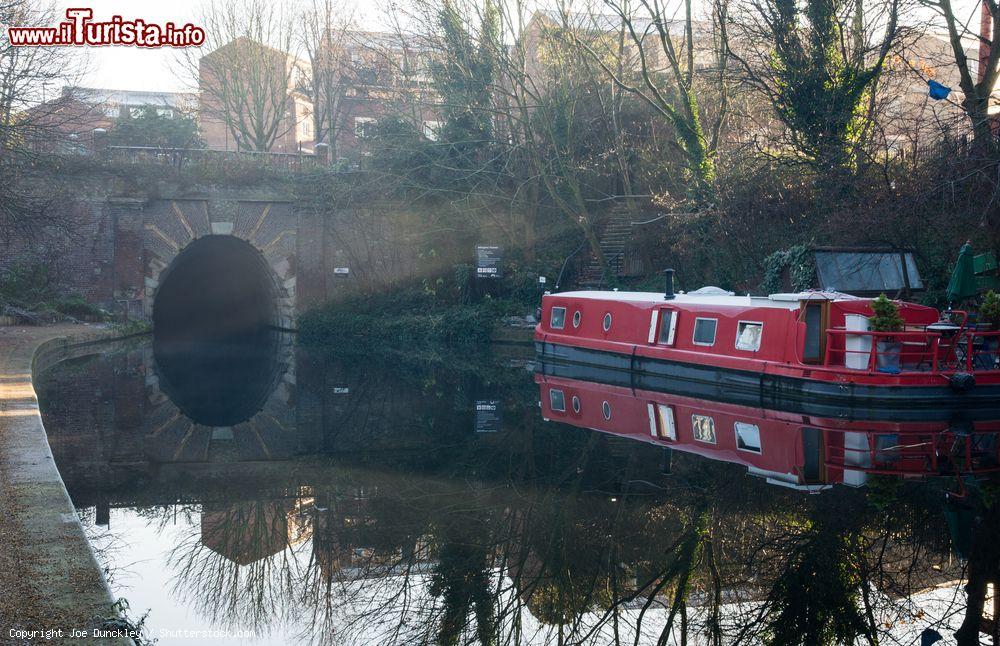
(243, 565)
(378, 558)
(713, 557)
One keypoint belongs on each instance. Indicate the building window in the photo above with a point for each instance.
(748, 335)
(747, 437)
(432, 129)
(607, 321)
(557, 401)
(558, 319)
(576, 318)
(606, 409)
(704, 331)
(576, 404)
(364, 126)
(661, 422)
(668, 323)
(703, 428)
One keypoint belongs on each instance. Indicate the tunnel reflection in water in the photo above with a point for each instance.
(222, 382)
(217, 286)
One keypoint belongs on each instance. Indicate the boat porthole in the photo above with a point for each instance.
(576, 404)
(576, 318)
(606, 407)
(607, 321)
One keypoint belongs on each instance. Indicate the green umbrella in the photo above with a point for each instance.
(963, 279)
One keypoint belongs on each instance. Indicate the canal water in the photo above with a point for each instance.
(258, 492)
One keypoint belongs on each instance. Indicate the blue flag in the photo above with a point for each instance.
(938, 91)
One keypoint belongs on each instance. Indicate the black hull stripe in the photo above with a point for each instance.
(776, 392)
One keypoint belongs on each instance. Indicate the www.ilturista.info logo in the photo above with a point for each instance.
(80, 29)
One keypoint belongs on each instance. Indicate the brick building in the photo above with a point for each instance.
(370, 75)
(67, 123)
(251, 97)
(356, 78)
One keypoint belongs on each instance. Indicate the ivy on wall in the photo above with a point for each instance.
(799, 262)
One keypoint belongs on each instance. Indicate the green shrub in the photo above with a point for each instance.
(77, 307)
(454, 325)
(26, 286)
(989, 311)
(886, 315)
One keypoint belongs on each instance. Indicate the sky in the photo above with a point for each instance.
(136, 68)
(133, 68)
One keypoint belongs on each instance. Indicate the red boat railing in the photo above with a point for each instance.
(916, 351)
(921, 454)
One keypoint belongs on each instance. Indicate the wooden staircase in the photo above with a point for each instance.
(613, 237)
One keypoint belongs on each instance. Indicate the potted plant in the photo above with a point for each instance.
(886, 318)
(989, 312)
(989, 320)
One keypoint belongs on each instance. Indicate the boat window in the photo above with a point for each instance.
(747, 437)
(661, 422)
(557, 400)
(668, 324)
(748, 335)
(606, 409)
(703, 428)
(607, 321)
(704, 331)
(576, 318)
(558, 319)
(576, 404)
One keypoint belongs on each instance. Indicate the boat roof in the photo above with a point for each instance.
(789, 301)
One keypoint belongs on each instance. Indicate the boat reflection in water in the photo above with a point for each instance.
(788, 449)
(309, 496)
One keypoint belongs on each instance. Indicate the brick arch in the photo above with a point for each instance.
(268, 226)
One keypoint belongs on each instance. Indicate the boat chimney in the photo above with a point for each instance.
(669, 295)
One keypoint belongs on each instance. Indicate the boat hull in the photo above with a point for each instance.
(758, 388)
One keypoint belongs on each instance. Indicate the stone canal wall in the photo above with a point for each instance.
(49, 576)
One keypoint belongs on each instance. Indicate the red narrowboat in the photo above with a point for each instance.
(809, 346)
(799, 451)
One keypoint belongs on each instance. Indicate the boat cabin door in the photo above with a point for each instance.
(816, 315)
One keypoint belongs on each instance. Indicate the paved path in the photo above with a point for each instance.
(49, 579)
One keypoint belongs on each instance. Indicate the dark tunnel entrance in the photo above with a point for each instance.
(220, 383)
(217, 287)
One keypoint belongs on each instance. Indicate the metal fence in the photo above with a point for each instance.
(178, 157)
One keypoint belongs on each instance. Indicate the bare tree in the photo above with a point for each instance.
(654, 56)
(327, 30)
(29, 122)
(976, 81)
(249, 75)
